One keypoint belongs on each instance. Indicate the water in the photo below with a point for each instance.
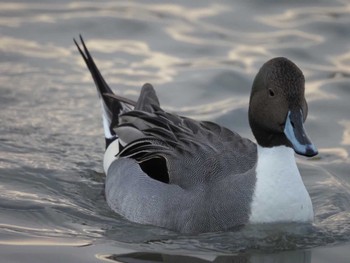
(202, 57)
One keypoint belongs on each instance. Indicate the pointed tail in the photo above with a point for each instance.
(111, 108)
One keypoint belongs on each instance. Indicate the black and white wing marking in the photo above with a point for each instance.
(186, 151)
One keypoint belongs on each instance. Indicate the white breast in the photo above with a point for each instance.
(280, 194)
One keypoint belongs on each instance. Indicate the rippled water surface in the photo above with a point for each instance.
(202, 57)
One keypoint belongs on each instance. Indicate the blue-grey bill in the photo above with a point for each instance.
(296, 134)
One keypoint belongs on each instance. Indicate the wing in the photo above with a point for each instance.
(183, 151)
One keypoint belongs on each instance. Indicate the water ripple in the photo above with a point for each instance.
(202, 58)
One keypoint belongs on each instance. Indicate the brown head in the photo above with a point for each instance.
(277, 107)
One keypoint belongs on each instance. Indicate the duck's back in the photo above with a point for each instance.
(194, 152)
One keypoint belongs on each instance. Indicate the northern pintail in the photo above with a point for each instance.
(194, 176)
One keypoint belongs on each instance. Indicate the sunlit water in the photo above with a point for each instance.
(202, 57)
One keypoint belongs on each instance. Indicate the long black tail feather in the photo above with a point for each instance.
(111, 107)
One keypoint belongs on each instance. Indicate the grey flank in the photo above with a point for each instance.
(131, 193)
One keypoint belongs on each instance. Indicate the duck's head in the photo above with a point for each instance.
(278, 109)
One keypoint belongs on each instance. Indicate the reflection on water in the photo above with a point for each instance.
(45, 242)
(28, 48)
(202, 58)
(141, 62)
(346, 133)
(286, 257)
(306, 15)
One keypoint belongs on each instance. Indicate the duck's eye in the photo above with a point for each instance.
(271, 93)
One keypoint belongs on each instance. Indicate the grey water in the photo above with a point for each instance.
(201, 56)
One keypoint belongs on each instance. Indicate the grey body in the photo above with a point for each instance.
(206, 165)
(195, 176)
(201, 208)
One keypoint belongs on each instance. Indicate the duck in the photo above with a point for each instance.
(193, 176)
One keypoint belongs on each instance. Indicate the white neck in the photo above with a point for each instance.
(280, 194)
